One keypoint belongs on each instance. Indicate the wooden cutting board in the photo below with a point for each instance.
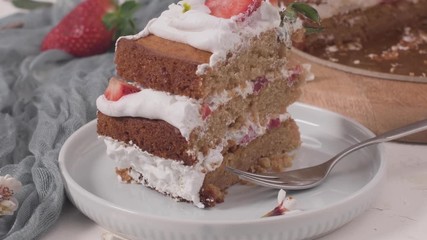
(378, 104)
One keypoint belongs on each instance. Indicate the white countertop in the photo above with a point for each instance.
(399, 212)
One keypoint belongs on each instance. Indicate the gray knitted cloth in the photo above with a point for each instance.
(44, 98)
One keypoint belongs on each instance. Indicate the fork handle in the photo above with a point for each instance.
(403, 131)
(385, 137)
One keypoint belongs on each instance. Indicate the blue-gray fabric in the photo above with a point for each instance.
(44, 98)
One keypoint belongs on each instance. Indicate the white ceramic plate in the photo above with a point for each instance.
(135, 212)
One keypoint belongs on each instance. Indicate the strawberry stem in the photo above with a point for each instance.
(306, 10)
(291, 13)
(121, 21)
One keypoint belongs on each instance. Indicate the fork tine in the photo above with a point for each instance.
(262, 182)
(260, 175)
(282, 185)
(275, 182)
(255, 176)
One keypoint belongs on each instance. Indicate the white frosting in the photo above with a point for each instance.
(201, 30)
(165, 175)
(179, 111)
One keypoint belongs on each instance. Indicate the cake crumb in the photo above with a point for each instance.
(123, 175)
(332, 49)
(309, 75)
(211, 194)
(390, 55)
(264, 162)
(355, 46)
(373, 56)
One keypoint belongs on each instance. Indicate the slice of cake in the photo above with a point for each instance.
(204, 86)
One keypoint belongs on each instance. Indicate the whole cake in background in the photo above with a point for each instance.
(388, 36)
(205, 85)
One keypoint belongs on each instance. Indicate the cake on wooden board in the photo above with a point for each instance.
(376, 35)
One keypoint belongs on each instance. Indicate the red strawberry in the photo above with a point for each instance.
(259, 84)
(294, 74)
(229, 8)
(117, 89)
(205, 111)
(89, 28)
(274, 123)
(249, 137)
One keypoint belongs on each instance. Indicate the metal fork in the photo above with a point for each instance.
(310, 177)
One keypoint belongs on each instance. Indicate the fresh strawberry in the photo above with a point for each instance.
(117, 89)
(294, 74)
(259, 84)
(205, 111)
(229, 8)
(249, 137)
(274, 123)
(90, 27)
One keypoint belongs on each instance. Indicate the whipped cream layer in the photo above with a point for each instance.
(179, 111)
(173, 177)
(243, 136)
(182, 112)
(201, 30)
(165, 175)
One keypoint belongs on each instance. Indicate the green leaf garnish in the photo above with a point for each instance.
(306, 10)
(128, 8)
(29, 4)
(293, 10)
(186, 7)
(288, 15)
(121, 20)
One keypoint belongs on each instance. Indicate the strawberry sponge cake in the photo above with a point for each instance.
(204, 86)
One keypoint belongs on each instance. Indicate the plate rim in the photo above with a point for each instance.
(359, 71)
(377, 178)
